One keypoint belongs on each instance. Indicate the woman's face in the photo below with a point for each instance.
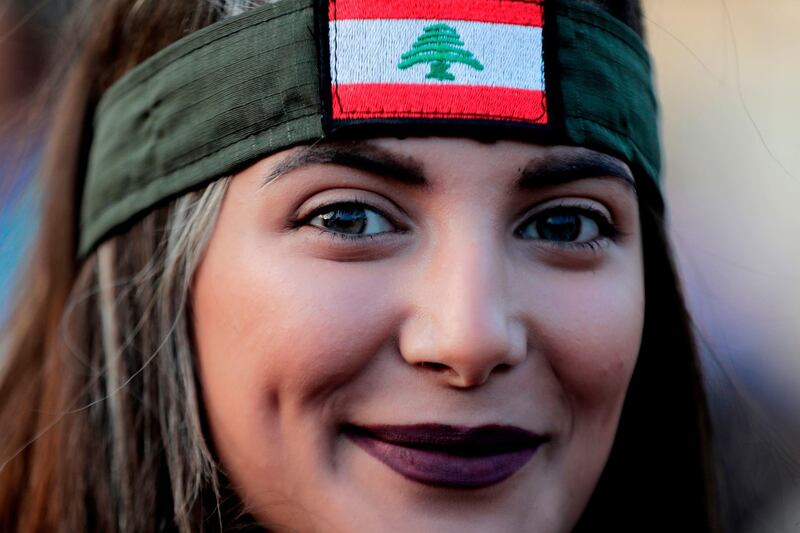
(420, 334)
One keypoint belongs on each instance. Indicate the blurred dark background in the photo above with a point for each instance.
(28, 53)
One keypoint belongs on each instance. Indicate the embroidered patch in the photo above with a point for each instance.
(439, 45)
(446, 59)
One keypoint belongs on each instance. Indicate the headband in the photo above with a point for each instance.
(297, 71)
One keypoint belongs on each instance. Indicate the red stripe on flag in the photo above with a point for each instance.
(438, 101)
(521, 12)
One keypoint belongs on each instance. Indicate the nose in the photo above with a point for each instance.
(464, 326)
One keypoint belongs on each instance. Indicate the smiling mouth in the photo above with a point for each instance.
(448, 456)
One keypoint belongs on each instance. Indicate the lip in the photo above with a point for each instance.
(448, 456)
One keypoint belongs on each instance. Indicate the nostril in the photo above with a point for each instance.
(502, 367)
(438, 367)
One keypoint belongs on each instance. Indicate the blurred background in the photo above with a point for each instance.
(24, 51)
(728, 74)
(29, 53)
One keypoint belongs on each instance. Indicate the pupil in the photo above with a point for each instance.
(562, 228)
(345, 220)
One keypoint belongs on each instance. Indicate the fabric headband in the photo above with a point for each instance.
(297, 71)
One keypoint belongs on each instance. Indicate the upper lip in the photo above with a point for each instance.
(490, 439)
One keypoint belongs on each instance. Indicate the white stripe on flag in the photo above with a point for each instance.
(368, 51)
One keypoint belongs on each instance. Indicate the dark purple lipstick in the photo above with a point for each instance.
(448, 456)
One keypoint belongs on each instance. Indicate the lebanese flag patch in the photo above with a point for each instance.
(426, 59)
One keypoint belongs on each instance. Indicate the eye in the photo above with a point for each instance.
(568, 224)
(350, 219)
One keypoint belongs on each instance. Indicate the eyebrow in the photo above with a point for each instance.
(360, 156)
(573, 164)
(557, 168)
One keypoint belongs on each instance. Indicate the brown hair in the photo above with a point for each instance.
(61, 466)
(102, 429)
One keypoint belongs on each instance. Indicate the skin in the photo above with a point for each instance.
(456, 311)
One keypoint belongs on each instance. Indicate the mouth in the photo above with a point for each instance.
(448, 456)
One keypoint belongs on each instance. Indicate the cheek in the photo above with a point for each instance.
(277, 338)
(281, 327)
(593, 334)
(589, 333)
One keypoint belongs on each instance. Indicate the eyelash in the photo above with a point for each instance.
(608, 230)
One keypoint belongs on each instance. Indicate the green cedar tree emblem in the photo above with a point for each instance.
(441, 46)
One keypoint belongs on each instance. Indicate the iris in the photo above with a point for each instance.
(563, 227)
(351, 220)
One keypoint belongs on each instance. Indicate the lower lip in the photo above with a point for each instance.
(439, 469)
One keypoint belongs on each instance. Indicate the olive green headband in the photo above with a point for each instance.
(297, 71)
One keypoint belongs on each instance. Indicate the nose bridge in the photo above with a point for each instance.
(468, 279)
(467, 312)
